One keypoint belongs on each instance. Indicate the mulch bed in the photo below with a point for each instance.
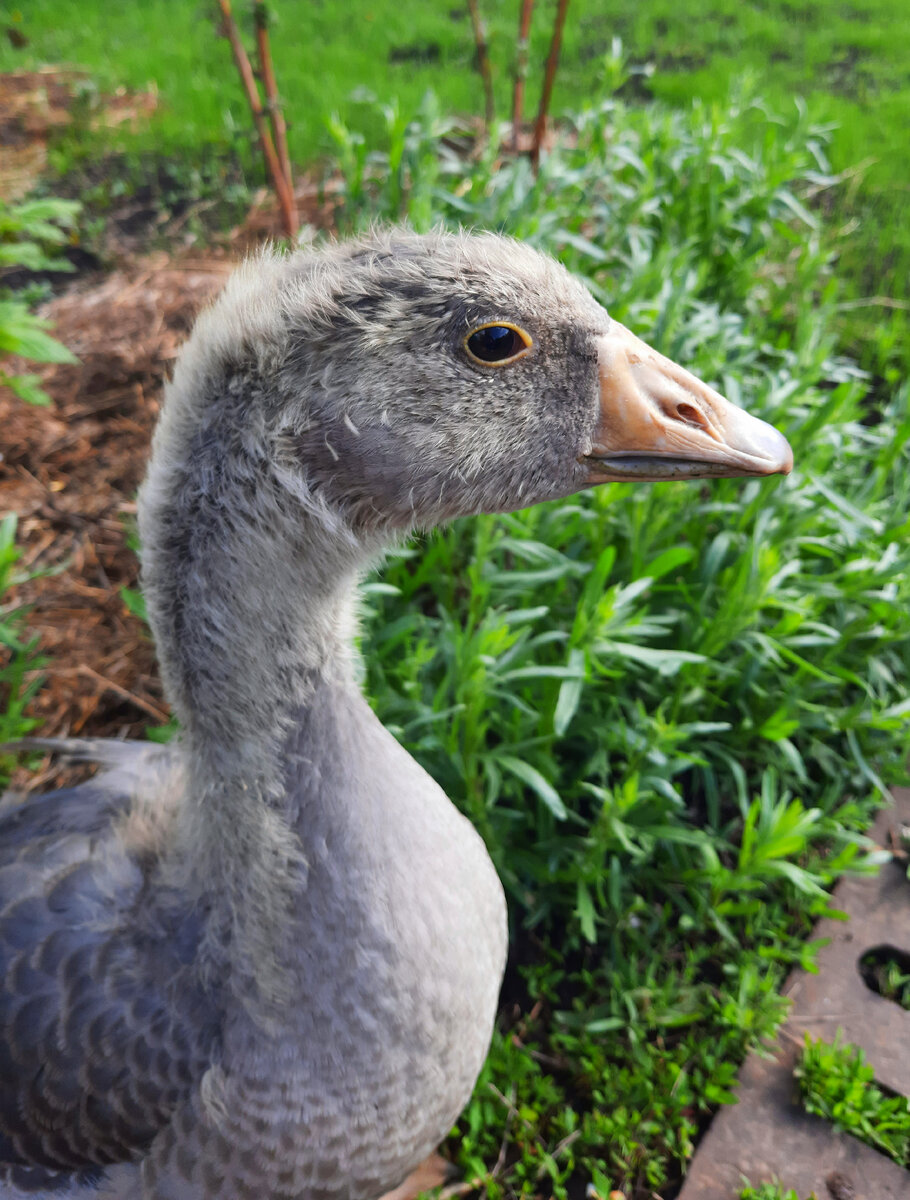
(71, 472)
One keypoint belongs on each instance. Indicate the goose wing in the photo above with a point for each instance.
(104, 1025)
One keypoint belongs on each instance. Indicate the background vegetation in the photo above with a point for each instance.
(669, 709)
(847, 61)
(666, 708)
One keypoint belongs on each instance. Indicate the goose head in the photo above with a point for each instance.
(427, 377)
(331, 400)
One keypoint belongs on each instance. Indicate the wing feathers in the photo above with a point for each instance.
(104, 1025)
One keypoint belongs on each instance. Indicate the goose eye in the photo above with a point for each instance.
(496, 345)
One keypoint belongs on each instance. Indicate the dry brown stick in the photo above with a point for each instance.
(540, 126)
(521, 68)
(276, 113)
(483, 62)
(285, 199)
(153, 710)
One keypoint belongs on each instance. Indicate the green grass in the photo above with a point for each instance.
(888, 975)
(851, 62)
(837, 1083)
(848, 61)
(770, 1191)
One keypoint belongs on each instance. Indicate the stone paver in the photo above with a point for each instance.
(767, 1135)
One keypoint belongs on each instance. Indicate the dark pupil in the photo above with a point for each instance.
(495, 343)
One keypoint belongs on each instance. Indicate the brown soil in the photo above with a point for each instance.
(71, 472)
(35, 104)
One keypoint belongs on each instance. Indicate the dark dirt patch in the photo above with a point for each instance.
(35, 106)
(636, 89)
(594, 49)
(146, 202)
(75, 261)
(682, 60)
(416, 52)
(844, 75)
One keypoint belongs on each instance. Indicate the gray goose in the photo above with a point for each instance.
(264, 962)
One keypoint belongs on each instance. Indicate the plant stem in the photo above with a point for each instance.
(285, 199)
(540, 126)
(276, 114)
(521, 68)
(483, 62)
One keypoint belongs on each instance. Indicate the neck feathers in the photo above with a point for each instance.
(248, 575)
(250, 584)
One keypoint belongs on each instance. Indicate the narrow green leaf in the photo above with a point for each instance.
(569, 693)
(536, 782)
(584, 910)
(25, 336)
(667, 662)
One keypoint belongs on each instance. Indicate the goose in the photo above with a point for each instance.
(264, 961)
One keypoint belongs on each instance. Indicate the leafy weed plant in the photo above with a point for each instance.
(837, 1083)
(31, 235)
(18, 657)
(887, 974)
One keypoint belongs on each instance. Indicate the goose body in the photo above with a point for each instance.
(264, 961)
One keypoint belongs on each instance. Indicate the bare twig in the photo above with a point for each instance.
(874, 302)
(285, 199)
(521, 67)
(511, 1114)
(276, 113)
(851, 174)
(558, 1149)
(461, 1189)
(540, 126)
(483, 61)
(153, 710)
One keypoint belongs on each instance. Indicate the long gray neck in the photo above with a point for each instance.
(246, 621)
(251, 593)
(253, 612)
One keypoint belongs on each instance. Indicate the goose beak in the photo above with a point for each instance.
(657, 421)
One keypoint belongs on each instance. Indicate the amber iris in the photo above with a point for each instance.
(497, 344)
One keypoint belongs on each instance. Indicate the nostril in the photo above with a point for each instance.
(691, 415)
